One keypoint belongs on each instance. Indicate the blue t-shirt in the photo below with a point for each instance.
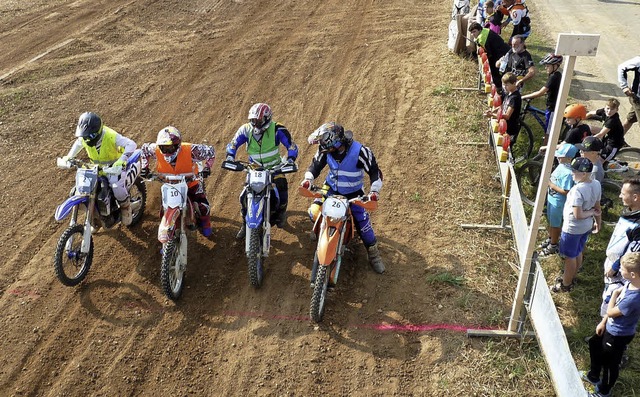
(629, 304)
(562, 178)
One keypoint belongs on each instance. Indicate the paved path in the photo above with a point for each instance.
(616, 21)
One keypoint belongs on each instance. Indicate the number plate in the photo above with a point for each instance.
(334, 208)
(86, 180)
(174, 195)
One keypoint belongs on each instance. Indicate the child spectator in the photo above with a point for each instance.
(559, 185)
(616, 330)
(574, 114)
(612, 132)
(580, 209)
(492, 17)
(591, 148)
(511, 106)
(552, 65)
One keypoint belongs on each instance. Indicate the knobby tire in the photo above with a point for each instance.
(138, 191)
(316, 310)
(78, 261)
(171, 285)
(254, 257)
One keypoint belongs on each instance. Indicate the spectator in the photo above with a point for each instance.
(493, 45)
(580, 209)
(493, 18)
(616, 330)
(574, 114)
(633, 92)
(518, 15)
(511, 106)
(518, 61)
(559, 185)
(612, 132)
(591, 148)
(552, 65)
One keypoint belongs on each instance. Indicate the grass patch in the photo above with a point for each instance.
(447, 278)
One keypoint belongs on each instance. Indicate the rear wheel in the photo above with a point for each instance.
(528, 178)
(521, 150)
(70, 264)
(319, 295)
(610, 202)
(254, 257)
(172, 270)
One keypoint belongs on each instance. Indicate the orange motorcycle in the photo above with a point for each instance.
(334, 228)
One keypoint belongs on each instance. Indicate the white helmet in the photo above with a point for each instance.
(260, 116)
(168, 141)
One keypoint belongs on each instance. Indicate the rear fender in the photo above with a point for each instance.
(65, 208)
(328, 242)
(167, 226)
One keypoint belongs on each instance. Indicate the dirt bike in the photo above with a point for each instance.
(179, 213)
(334, 229)
(258, 189)
(74, 251)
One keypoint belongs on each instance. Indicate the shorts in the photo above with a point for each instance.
(554, 213)
(632, 117)
(572, 245)
(548, 115)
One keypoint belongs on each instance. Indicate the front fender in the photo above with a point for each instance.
(328, 242)
(65, 208)
(167, 226)
(255, 213)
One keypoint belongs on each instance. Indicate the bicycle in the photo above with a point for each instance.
(525, 142)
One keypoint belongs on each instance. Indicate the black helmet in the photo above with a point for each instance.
(331, 136)
(89, 128)
(551, 59)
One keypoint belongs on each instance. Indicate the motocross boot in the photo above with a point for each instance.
(125, 212)
(375, 260)
(205, 223)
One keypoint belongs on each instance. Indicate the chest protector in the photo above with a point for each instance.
(184, 163)
(265, 152)
(108, 152)
(345, 177)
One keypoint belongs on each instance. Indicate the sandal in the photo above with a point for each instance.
(560, 287)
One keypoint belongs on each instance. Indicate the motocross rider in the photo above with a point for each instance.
(173, 156)
(263, 137)
(105, 146)
(348, 161)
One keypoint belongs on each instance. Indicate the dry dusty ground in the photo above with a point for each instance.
(199, 65)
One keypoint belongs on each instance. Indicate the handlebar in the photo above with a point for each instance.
(316, 192)
(77, 163)
(282, 168)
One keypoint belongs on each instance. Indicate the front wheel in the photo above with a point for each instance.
(171, 269)
(316, 310)
(254, 257)
(521, 150)
(138, 198)
(528, 178)
(70, 263)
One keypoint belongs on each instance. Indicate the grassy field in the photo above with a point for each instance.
(578, 310)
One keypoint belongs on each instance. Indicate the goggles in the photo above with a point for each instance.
(168, 149)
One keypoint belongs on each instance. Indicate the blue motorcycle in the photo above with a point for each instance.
(93, 200)
(261, 196)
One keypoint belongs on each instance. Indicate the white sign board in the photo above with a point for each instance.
(552, 340)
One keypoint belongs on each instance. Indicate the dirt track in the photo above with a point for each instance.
(199, 65)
